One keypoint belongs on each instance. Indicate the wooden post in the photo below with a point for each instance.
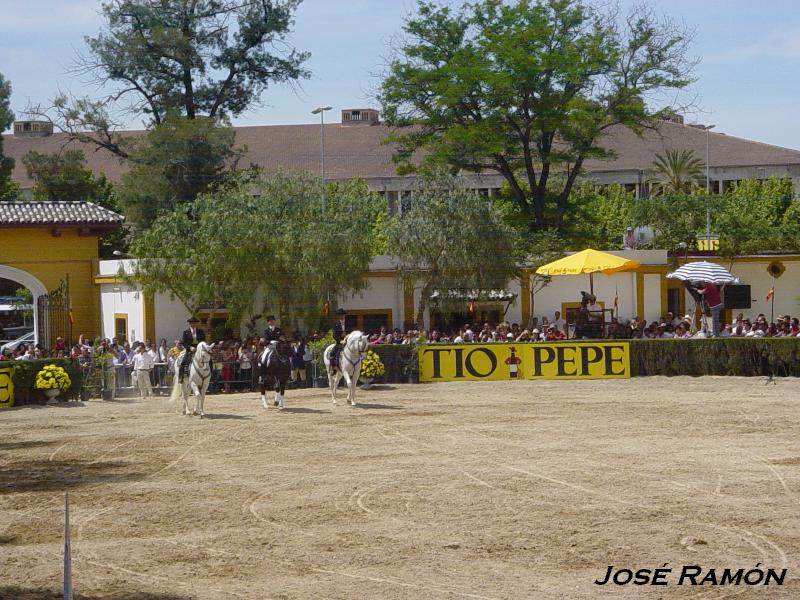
(67, 552)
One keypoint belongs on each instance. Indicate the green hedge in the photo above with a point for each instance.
(747, 357)
(24, 375)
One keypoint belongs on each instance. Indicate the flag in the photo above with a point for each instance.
(771, 293)
(471, 306)
(616, 298)
(326, 310)
(71, 318)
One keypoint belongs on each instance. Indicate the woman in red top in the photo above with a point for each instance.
(714, 302)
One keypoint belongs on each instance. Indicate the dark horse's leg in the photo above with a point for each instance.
(263, 386)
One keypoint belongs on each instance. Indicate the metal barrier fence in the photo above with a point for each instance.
(226, 377)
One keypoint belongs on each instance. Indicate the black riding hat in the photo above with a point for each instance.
(270, 317)
(192, 320)
(341, 311)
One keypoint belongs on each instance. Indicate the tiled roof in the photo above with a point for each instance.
(57, 213)
(359, 151)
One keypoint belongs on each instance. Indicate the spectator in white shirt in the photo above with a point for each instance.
(558, 321)
(142, 365)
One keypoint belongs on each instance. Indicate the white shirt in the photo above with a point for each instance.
(595, 311)
(142, 361)
(559, 323)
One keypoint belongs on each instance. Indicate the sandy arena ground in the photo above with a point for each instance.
(449, 491)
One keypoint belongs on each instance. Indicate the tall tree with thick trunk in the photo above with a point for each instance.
(183, 67)
(527, 89)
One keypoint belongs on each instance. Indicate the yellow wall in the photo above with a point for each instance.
(50, 258)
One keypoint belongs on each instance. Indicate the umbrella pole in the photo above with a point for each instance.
(591, 283)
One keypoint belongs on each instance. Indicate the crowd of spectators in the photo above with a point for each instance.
(741, 326)
(555, 329)
(235, 360)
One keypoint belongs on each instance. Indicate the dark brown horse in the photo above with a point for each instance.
(275, 371)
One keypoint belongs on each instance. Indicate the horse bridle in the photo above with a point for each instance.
(202, 365)
(361, 353)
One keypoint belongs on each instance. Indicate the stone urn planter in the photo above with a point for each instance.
(366, 383)
(52, 394)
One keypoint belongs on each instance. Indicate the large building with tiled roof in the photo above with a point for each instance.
(356, 148)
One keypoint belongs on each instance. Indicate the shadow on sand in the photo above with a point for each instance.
(301, 410)
(220, 416)
(56, 476)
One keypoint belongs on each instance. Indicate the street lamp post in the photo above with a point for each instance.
(708, 190)
(321, 112)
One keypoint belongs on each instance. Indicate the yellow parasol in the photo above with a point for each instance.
(588, 261)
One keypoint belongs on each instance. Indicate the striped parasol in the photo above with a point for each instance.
(703, 271)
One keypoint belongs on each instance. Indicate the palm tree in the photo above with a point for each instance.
(680, 171)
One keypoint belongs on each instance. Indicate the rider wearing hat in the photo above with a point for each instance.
(191, 337)
(339, 331)
(272, 334)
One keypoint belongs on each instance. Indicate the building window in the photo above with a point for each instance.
(405, 201)
(121, 327)
(369, 321)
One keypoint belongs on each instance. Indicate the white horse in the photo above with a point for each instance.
(197, 379)
(355, 348)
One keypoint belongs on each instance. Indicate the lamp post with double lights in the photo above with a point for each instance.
(321, 112)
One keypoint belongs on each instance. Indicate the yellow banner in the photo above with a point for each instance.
(6, 388)
(563, 360)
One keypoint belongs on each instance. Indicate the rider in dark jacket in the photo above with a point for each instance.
(191, 337)
(339, 331)
(272, 334)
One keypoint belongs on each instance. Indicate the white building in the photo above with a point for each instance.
(644, 292)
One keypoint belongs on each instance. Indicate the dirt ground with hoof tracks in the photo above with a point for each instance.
(510, 490)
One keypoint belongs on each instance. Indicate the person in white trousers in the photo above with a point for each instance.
(142, 365)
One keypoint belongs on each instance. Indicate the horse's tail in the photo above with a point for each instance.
(176, 390)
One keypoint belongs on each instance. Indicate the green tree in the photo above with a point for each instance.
(452, 238)
(600, 217)
(527, 89)
(64, 177)
(23, 303)
(171, 63)
(177, 160)
(679, 171)
(8, 189)
(262, 244)
(676, 219)
(751, 218)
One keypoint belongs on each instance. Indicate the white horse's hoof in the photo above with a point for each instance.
(264, 403)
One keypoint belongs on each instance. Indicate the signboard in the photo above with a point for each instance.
(6, 388)
(562, 360)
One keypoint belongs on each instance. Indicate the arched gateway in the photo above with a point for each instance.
(51, 249)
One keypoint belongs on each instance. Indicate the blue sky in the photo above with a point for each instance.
(747, 79)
